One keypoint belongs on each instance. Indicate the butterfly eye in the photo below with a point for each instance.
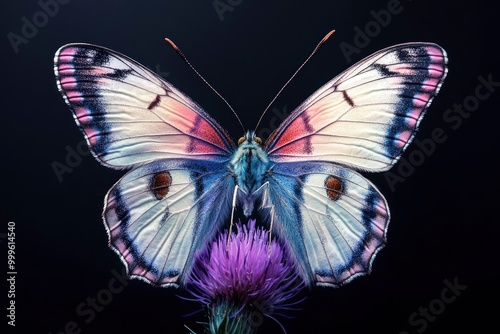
(241, 140)
(258, 140)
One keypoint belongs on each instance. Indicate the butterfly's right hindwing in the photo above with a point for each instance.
(158, 214)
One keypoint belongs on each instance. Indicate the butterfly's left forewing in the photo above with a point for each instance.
(129, 115)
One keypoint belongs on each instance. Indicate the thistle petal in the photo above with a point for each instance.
(247, 275)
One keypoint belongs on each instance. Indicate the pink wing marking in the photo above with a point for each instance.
(92, 135)
(420, 100)
(290, 139)
(82, 112)
(435, 54)
(73, 95)
(436, 70)
(85, 119)
(404, 137)
(203, 137)
(68, 55)
(414, 116)
(430, 84)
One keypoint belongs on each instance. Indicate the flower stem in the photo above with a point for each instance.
(226, 318)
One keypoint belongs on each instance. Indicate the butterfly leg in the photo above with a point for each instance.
(233, 207)
(266, 204)
(271, 229)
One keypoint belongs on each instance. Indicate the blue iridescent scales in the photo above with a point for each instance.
(186, 174)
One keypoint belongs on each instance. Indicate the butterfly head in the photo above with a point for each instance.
(250, 138)
(250, 155)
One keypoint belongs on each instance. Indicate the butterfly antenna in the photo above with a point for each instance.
(293, 76)
(179, 52)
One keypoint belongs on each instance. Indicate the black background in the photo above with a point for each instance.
(444, 224)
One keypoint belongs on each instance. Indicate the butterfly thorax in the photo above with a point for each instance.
(249, 165)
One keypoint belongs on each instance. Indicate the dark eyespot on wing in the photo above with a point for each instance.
(160, 184)
(334, 187)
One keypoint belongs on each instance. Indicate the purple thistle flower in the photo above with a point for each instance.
(242, 278)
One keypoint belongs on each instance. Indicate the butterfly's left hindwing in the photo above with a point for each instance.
(333, 219)
(158, 214)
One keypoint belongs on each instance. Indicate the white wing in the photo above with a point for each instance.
(365, 117)
(333, 219)
(129, 115)
(158, 214)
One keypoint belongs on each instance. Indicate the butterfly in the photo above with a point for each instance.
(187, 177)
